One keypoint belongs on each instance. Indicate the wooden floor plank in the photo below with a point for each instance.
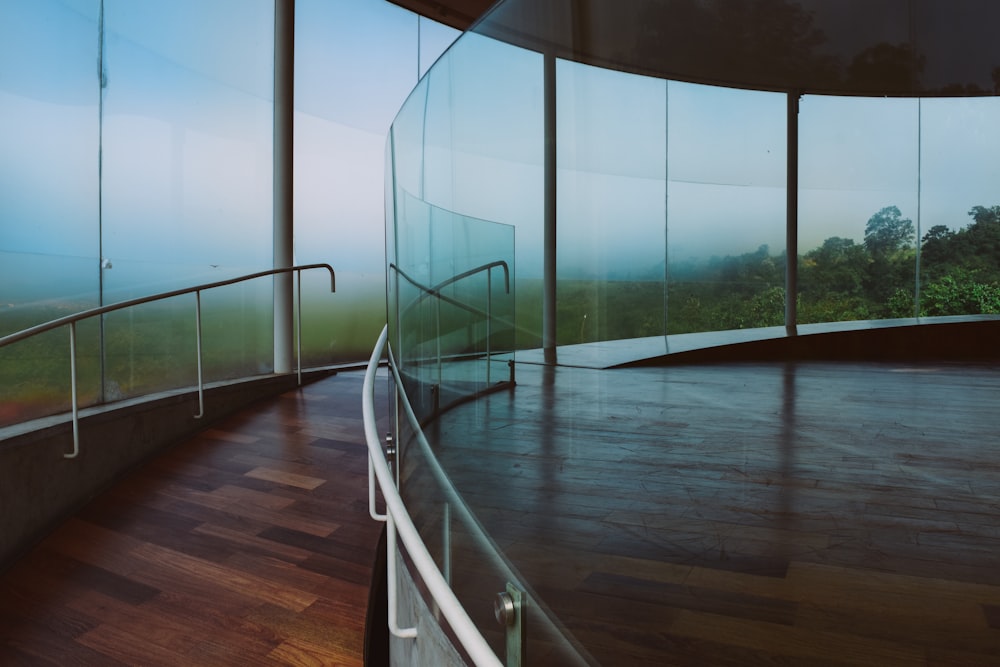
(186, 561)
(740, 514)
(820, 514)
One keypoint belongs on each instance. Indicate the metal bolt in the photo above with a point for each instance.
(504, 609)
(390, 446)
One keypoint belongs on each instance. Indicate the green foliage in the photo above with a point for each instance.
(888, 232)
(839, 281)
(959, 294)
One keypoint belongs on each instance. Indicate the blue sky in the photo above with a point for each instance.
(187, 132)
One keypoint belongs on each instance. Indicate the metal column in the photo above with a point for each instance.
(284, 95)
(549, 242)
(792, 215)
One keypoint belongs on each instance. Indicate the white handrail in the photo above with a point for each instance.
(398, 519)
(71, 321)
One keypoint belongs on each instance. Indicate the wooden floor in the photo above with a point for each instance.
(249, 544)
(773, 514)
(746, 514)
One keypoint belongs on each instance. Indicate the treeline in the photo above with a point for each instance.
(845, 280)
(840, 280)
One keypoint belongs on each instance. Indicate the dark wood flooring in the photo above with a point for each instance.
(249, 544)
(810, 513)
(746, 514)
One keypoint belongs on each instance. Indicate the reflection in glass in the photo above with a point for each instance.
(455, 313)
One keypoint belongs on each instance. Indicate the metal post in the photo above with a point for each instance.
(437, 338)
(391, 555)
(509, 607)
(549, 222)
(489, 320)
(72, 389)
(792, 215)
(298, 327)
(103, 81)
(446, 544)
(284, 90)
(916, 261)
(201, 383)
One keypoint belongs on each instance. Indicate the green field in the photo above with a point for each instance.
(153, 347)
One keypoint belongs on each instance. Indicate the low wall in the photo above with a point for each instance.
(39, 487)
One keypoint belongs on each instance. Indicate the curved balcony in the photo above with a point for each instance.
(754, 298)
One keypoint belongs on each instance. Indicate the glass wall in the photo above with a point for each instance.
(139, 160)
(611, 142)
(355, 63)
(858, 207)
(959, 223)
(670, 197)
(186, 187)
(49, 198)
(726, 214)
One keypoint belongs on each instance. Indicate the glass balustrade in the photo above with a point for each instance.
(654, 169)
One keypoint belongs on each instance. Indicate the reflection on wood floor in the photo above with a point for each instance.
(249, 544)
(743, 514)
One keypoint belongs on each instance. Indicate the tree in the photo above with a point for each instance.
(888, 232)
(938, 250)
(888, 239)
(835, 268)
(985, 215)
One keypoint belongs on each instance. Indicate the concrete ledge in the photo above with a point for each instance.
(959, 338)
(39, 487)
(971, 338)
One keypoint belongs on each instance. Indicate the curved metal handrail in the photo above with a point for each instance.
(71, 321)
(397, 517)
(539, 614)
(436, 289)
(92, 312)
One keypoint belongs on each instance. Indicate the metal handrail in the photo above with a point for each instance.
(539, 614)
(436, 291)
(71, 321)
(398, 518)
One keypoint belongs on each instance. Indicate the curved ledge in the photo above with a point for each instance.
(964, 337)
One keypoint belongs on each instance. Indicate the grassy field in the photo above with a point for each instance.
(153, 347)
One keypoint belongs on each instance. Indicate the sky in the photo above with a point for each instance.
(645, 167)
(183, 148)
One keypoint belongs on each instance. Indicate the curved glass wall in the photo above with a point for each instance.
(49, 245)
(136, 158)
(675, 168)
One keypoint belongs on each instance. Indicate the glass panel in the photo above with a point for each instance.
(470, 140)
(726, 210)
(959, 223)
(187, 172)
(151, 347)
(464, 183)
(356, 61)
(611, 204)
(456, 311)
(435, 38)
(858, 211)
(49, 98)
